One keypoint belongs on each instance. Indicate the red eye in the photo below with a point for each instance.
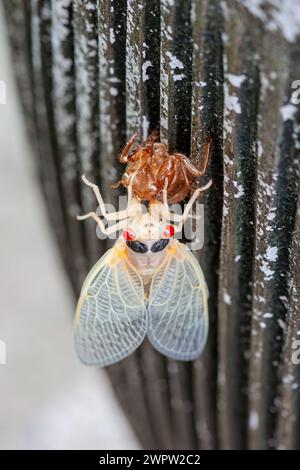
(169, 231)
(129, 235)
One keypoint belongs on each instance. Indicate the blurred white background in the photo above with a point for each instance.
(48, 400)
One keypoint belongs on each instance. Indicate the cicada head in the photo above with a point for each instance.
(148, 241)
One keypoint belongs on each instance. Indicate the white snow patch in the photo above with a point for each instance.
(227, 160)
(266, 85)
(113, 91)
(253, 420)
(224, 7)
(271, 216)
(227, 298)
(240, 190)
(236, 80)
(268, 315)
(174, 63)
(231, 101)
(265, 268)
(277, 15)
(288, 111)
(178, 77)
(288, 379)
(259, 148)
(112, 38)
(145, 66)
(145, 126)
(281, 324)
(272, 253)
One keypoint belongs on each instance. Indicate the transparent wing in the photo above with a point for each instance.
(111, 319)
(177, 306)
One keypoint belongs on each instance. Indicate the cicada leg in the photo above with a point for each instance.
(207, 153)
(121, 216)
(166, 213)
(105, 230)
(180, 219)
(108, 215)
(96, 218)
(124, 155)
(189, 205)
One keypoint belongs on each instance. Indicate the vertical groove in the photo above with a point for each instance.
(41, 76)
(239, 132)
(176, 74)
(112, 37)
(288, 435)
(151, 66)
(288, 402)
(136, 72)
(175, 129)
(207, 115)
(65, 128)
(85, 22)
(142, 71)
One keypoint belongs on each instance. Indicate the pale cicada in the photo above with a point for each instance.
(149, 283)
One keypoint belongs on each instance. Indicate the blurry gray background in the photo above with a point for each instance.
(48, 400)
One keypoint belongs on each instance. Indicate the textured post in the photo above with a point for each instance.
(90, 74)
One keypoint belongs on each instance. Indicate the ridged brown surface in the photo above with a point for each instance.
(90, 74)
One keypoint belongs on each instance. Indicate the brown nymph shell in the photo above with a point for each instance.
(149, 164)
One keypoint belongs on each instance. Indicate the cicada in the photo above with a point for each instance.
(149, 283)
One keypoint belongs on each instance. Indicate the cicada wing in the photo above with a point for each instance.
(177, 306)
(111, 319)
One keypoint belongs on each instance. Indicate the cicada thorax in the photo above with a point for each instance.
(150, 164)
